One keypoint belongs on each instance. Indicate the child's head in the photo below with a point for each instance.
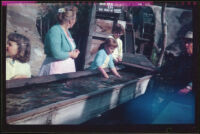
(18, 47)
(118, 30)
(110, 45)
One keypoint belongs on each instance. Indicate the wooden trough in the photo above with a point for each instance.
(72, 98)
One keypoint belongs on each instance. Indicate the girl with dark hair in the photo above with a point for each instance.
(59, 46)
(117, 31)
(18, 51)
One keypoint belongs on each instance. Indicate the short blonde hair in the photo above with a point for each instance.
(67, 13)
(110, 43)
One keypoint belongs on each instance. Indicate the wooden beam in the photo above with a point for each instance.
(104, 35)
(15, 83)
(164, 35)
(89, 40)
(137, 66)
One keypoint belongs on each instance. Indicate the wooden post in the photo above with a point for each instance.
(41, 27)
(164, 36)
(134, 45)
(125, 42)
(91, 31)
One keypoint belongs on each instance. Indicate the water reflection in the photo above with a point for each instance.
(162, 107)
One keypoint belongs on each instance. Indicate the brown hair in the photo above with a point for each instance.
(118, 28)
(24, 47)
(68, 14)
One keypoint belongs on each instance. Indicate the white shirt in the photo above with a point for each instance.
(118, 52)
(14, 68)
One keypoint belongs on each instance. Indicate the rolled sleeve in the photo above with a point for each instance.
(111, 63)
(99, 59)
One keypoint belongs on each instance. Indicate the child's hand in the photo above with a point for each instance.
(106, 76)
(116, 60)
(119, 76)
(114, 70)
(119, 59)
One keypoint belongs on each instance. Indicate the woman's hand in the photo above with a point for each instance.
(74, 54)
(77, 52)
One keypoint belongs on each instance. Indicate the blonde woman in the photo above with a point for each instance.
(59, 46)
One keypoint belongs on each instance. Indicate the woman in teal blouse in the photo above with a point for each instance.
(59, 46)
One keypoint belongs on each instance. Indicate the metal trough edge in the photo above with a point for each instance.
(62, 104)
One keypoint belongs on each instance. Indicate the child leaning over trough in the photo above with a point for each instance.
(18, 50)
(104, 59)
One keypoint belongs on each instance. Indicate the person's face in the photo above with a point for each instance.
(73, 21)
(189, 47)
(11, 48)
(116, 35)
(110, 49)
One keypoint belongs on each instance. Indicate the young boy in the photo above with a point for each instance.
(104, 58)
(117, 31)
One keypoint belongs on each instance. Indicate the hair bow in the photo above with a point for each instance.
(61, 10)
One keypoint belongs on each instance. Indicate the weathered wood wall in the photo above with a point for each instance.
(22, 19)
(179, 21)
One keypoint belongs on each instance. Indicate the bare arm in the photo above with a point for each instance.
(20, 77)
(119, 59)
(103, 72)
(114, 70)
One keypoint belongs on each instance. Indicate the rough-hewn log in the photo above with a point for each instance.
(164, 37)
